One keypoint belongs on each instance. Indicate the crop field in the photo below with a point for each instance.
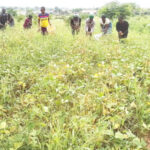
(59, 92)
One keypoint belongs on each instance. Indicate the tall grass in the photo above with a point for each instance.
(60, 92)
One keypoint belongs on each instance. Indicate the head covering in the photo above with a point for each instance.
(91, 16)
(76, 15)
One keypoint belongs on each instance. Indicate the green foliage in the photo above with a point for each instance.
(145, 11)
(115, 9)
(29, 12)
(67, 19)
(84, 16)
(77, 10)
(12, 12)
(60, 92)
(20, 18)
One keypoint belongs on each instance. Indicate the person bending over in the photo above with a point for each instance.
(28, 22)
(90, 24)
(106, 25)
(122, 28)
(3, 19)
(75, 24)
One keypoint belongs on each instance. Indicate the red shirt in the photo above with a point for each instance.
(27, 23)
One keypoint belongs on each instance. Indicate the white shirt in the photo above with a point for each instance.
(106, 22)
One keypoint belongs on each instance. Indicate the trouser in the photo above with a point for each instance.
(44, 30)
(89, 30)
(75, 31)
(11, 24)
(2, 27)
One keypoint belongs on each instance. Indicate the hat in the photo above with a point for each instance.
(76, 15)
(91, 16)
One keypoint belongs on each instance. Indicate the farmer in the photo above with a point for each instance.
(28, 23)
(106, 25)
(90, 24)
(3, 19)
(122, 27)
(75, 24)
(44, 21)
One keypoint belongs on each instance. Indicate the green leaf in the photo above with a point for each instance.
(17, 145)
(120, 136)
(130, 134)
(139, 143)
(109, 132)
(3, 125)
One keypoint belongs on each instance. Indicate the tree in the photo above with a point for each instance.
(77, 10)
(115, 9)
(29, 11)
(57, 10)
(12, 12)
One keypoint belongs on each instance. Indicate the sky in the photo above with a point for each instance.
(67, 3)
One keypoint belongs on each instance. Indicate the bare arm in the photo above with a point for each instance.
(1, 24)
(30, 22)
(117, 27)
(49, 21)
(80, 22)
(93, 24)
(71, 24)
(106, 28)
(101, 26)
(39, 22)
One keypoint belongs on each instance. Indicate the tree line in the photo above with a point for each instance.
(111, 10)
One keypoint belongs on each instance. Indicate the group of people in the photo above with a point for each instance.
(5, 19)
(43, 21)
(122, 26)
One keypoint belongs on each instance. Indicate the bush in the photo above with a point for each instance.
(115, 9)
